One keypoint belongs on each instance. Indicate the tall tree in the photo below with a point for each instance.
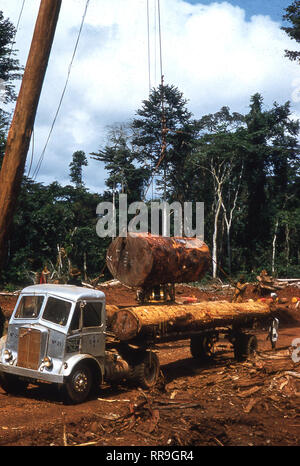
(79, 160)
(10, 71)
(125, 174)
(9, 66)
(269, 151)
(162, 128)
(218, 157)
(19, 135)
(292, 15)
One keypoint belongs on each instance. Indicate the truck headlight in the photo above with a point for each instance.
(47, 362)
(7, 355)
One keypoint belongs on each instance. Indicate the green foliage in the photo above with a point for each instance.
(52, 216)
(78, 161)
(124, 175)
(9, 72)
(292, 15)
(166, 112)
(9, 66)
(245, 168)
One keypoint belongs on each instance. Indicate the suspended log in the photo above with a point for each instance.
(157, 321)
(147, 261)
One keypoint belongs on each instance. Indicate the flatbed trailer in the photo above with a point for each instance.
(58, 334)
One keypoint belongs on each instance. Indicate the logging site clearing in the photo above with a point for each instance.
(220, 403)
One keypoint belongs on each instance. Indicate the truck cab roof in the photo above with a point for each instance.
(71, 292)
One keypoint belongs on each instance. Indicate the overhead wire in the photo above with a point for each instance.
(17, 27)
(149, 55)
(38, 166)
(32, 153)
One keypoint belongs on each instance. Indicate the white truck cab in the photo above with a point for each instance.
(57, 334)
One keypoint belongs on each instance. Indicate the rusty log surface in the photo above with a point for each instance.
(146, 260)
(155, 321)
(110, 312)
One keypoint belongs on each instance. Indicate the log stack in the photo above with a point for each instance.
(143, 260)
(159, 321)
(110, 312)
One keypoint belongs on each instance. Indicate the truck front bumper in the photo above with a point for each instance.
(43, 376)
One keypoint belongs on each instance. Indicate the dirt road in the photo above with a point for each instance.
(224, 403)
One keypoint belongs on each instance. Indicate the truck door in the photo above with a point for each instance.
(92, 328)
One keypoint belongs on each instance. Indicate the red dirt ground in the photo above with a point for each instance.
(224, 403)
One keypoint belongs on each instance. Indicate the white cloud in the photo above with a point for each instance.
(211, 53)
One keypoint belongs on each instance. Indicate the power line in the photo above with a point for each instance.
(37, 169)
(17, 27)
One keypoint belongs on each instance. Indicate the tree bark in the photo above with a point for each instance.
(274, 246)
(156, 321)
(147, 260)
(215, 237)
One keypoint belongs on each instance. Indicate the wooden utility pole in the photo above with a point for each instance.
(20, 131)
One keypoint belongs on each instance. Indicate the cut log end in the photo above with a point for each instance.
(146, 260)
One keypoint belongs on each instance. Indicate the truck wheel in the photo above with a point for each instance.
(202, 346)
(12, 384)
(79, 384)
(244, 346)
(146, 373)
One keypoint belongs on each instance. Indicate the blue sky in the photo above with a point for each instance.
(273, 8)
(216, 53)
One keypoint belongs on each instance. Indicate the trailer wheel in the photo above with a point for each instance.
(202, 346)
(244, 346)
(146, 373)
(79, 384)
(12, 384)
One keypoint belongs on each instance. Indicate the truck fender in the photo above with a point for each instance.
(71, 362)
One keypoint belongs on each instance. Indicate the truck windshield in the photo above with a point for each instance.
(29, 307)
(57, 311)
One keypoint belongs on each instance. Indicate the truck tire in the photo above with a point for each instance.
(12, 384)
(146, 373)
(79, 384)
(244, 346)
(202, 346)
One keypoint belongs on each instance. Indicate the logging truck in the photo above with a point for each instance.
(66, 335)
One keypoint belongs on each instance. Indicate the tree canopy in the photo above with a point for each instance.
(244, 167)
(292, 16)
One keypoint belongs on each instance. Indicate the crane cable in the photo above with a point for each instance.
(163, 119)
(37, 169)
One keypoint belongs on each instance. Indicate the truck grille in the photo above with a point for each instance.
(29, 348)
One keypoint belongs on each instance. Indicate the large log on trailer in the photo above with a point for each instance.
(141, 259)
(110, 312)
(159, 321)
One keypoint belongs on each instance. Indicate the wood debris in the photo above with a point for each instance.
(251, 405)
(249, 392)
